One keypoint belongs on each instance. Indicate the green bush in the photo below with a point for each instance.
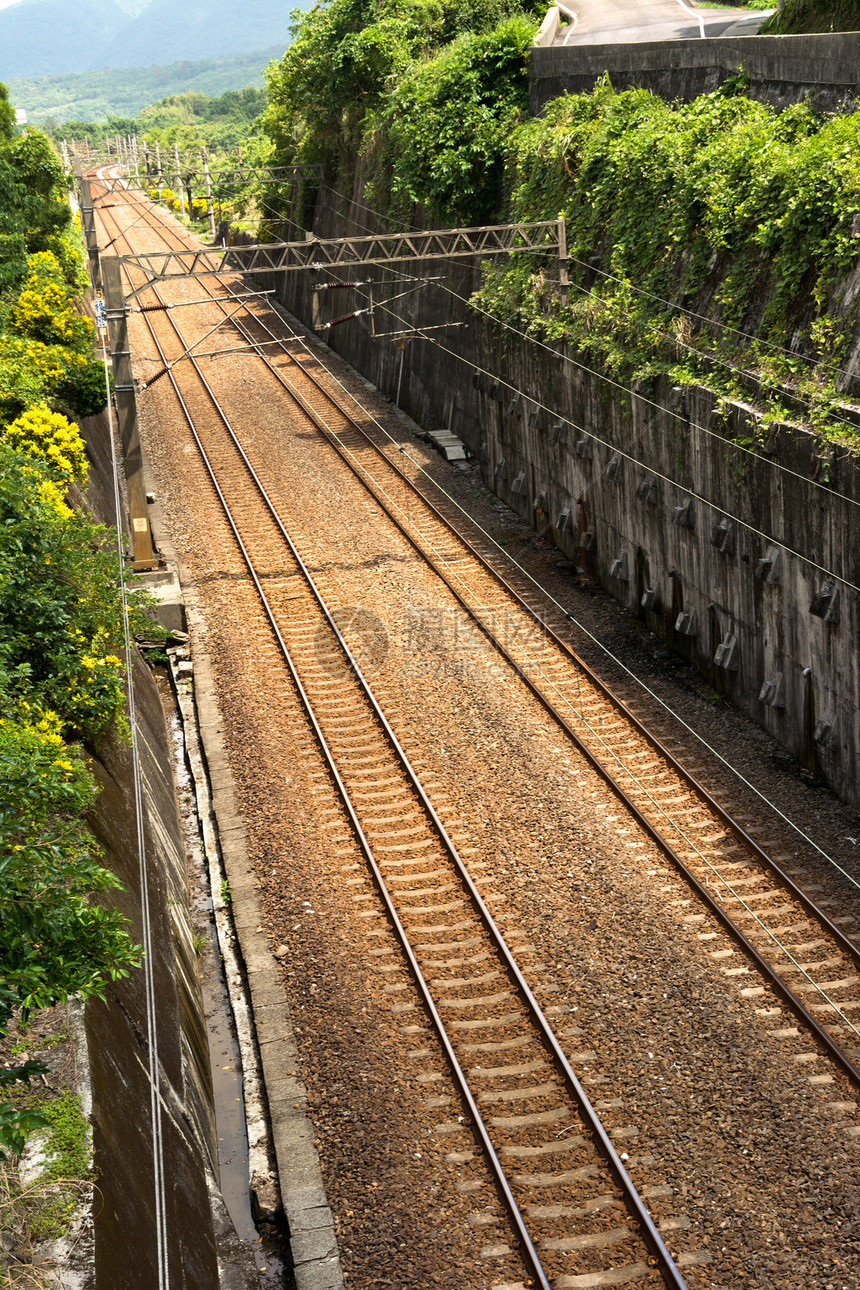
(441, 136)
(379, 78)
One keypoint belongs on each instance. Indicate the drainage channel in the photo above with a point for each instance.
(237, 1094)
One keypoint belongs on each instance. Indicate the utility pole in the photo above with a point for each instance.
(208, 190)
(563, 280)
(179, 179)
(126, 407)
(88, 221)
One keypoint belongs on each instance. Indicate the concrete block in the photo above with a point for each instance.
(723, 536)
(649, 491)
(773, 691)
(727, 654)
(518, 487)
(650, 598)
(615, 468)
(588, 542)
(618, 568)
(585, 447)
(826, 732)
(825, 602)
(682, 514)
(769, 565)
(686, 623)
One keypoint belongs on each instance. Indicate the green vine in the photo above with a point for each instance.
(721, 207)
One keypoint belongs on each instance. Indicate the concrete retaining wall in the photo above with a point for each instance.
(781, 69)
(203, 1252)
(766, 635)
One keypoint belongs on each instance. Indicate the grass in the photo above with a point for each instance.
(40, 1196)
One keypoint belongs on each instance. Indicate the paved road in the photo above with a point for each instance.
(619, 22)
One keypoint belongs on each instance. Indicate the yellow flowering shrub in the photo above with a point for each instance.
(48, 436)
(33, 372)
(45, 308)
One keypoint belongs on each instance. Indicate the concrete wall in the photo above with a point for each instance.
(203, 1253)
(559, 478)
(781, 69)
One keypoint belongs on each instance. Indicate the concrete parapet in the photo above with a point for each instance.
(825, 68)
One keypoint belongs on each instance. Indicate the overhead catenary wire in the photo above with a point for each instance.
(669, 304)
(500, 630)
(822, 990)
(640, 684)
(587, 633)
(628, 456)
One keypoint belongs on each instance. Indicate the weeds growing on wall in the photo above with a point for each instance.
(724, 206)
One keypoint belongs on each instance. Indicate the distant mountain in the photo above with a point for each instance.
(50, 37)
(166, 31)
(42, 37)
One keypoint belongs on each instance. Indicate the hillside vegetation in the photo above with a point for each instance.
(61, 622)
(96, 96)
(723, 207)
(814, 15)
(188, 120)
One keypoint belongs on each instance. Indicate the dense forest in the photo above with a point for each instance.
(50, 101)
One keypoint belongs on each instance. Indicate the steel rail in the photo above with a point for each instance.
(634, 1202)
(835, 1051)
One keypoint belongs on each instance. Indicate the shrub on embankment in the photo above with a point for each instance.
(61, 618)
(814, 15)
(424, 92)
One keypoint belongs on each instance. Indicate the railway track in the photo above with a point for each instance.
(808, 955)
(541, 1137)
(531, 1118)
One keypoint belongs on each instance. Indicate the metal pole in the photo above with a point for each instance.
(88, 221)
(179, 179)
(562, 263)
(400, 376)
(159, 179)
(208, 189)
(134, 154)
(126, 408)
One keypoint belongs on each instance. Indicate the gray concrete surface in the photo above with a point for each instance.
(781, 69)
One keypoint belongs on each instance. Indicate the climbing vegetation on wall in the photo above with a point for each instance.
(722, 208)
